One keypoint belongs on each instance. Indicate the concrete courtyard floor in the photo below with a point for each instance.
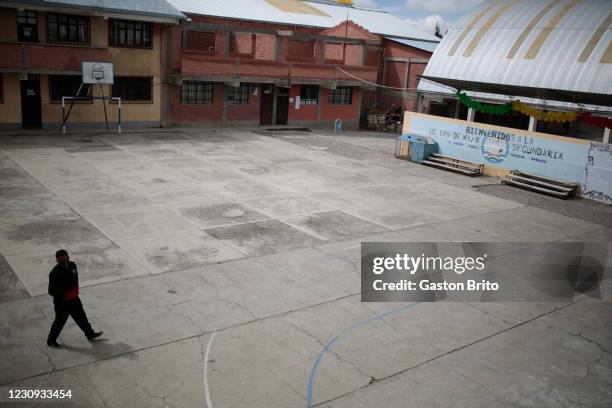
(223, 267)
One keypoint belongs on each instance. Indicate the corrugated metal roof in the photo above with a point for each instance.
(378, 22)
(157, 8)
(558, 45)
(422, 45)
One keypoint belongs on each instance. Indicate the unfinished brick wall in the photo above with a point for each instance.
(201, 41)
(301, 50)
(334, 51)
(265, 47)
(353, 54)
(241, 43)
(410, 63)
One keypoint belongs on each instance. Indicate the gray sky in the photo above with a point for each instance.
(423, 13)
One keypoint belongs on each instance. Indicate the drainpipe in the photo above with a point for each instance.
(606, 138)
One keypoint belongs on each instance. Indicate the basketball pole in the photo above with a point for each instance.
(104, 104)
(65, 117)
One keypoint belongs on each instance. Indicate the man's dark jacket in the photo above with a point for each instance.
(62, 278)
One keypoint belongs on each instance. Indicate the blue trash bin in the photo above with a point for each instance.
(414, 147)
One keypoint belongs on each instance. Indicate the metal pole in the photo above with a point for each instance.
(65, 118)
(63, 114)
(104, 104)
(119, 115)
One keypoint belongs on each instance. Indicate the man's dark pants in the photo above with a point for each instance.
(65, 308)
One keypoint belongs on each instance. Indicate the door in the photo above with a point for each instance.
(282, 106)
(266, 102)
(30, 103)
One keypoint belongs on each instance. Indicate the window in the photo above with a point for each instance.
(66, 85)
(67, 28)
(27, 26)
(309, 94)
(198, 93)
(237, 95)
(342, 95)
(201, 41)
(132, 89)
(123, 33)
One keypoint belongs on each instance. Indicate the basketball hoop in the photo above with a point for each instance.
(100, 73)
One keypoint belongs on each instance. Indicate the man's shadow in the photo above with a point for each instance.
(102, 348)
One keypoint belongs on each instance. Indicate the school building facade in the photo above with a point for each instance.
(43, 44)
(185, 63)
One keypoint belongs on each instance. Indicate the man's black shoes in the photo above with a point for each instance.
(53, 344)
(94, 335)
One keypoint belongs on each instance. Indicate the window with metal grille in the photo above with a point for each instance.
(197, 93)
(66, 85)
(67, 28)
(237, 95)
(342, 95)
(27, 26)
(309, 94)
(125, 33)
(132, 89)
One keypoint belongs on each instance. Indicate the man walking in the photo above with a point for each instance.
(64, 287)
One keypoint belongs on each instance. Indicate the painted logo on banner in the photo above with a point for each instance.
(494, 149)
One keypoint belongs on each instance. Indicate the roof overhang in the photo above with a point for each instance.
(99, 12)
(536, 93)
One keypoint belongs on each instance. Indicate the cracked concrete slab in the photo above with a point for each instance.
(34, 209)
(48, 235)
(274, 304)
(16, 184)
(97, 262)
(541, 367)
(227, 213)
(285, 205)
(263, 237)
(335, 225)
(120, 226)
(11, 288)
(179, 251)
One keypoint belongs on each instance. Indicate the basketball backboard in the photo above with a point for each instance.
(97, 72)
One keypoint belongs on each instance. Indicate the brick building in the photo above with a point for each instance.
(288, 62)
(206, 62)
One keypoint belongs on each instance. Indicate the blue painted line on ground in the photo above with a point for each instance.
(330, 343)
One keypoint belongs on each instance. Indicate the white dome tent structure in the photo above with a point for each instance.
(538, 61)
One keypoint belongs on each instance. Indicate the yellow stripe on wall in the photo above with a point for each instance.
(468, 29)
(487, 25)
(530, 26)
(606, 58)
(551, 25)
(588, 48)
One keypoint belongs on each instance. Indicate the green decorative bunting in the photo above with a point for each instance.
(484, 107)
